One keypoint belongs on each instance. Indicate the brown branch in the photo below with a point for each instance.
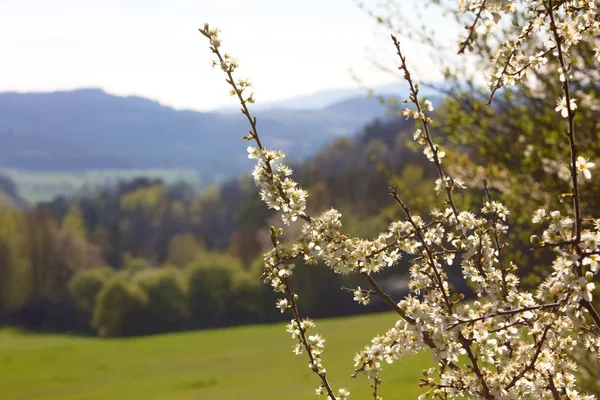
(498, 83)
(570, 116)
(554, 244)
(497, 241)
(503, 313)
(472, 28)
(387, 298)
(594, 314)
(376, 383)
(531, 364)
(552, 387)
(475, 366)
(431, 259)
(322, 375)
(414, 97)
(377, 289)
(507, 326)
(251, 120)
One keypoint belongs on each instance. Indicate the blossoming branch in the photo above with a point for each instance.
(508, 344)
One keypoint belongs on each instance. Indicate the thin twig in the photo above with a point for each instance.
(503, 313)
(570, 117)
(472, 28)
(497, 240)
(440, 282)
(414, 97)
(531, 364)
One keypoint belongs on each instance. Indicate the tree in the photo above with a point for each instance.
(119, 309)
(73, 222)
(85, 285)
(183, 249)
(516, 144)
(14, 260)
(167, 307)
(244, 244)
(42, 229)
(511, 342)
(209, 282)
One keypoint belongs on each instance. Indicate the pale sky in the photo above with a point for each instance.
(152, 48)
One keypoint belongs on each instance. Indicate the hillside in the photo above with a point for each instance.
(251, 363)
(141, 227)
(327, 98)
(90, 129)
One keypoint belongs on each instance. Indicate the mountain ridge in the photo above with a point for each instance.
(89, 128)
(326, 98)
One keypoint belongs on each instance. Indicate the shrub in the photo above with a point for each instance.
(133, 265)
(246, 300)
(209, 282)
(85, 285)
(119, 309)
(167, 307)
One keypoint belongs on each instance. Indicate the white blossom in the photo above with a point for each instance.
(518, 338)
(583, 167)
(561, 106)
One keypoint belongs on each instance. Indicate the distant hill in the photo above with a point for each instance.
(327, 98)
(50, 142)
(90, 129)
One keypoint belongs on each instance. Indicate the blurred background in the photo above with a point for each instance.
(131, 232)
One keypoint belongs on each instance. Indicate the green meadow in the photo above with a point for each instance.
(254, 362)
(37, 186)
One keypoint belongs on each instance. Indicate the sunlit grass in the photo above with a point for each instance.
(253, 362)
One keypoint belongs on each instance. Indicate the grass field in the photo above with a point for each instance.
(36, 186)
(238, 363)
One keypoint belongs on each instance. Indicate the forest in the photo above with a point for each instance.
(146, 257)
(464, 201)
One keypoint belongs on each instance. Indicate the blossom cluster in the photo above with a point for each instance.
(509, 343)
(322, 239)
(557, 26)
(277, 190)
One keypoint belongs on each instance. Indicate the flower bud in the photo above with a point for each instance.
(589, 276)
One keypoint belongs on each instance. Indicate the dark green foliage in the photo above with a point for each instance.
(247, 298)
(141, 226)
(167, 307)
(210, 280)
(120, 307)
(134, 265)
(85, 286)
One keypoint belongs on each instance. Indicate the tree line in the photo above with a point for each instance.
(141, 237)
(145, 257)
